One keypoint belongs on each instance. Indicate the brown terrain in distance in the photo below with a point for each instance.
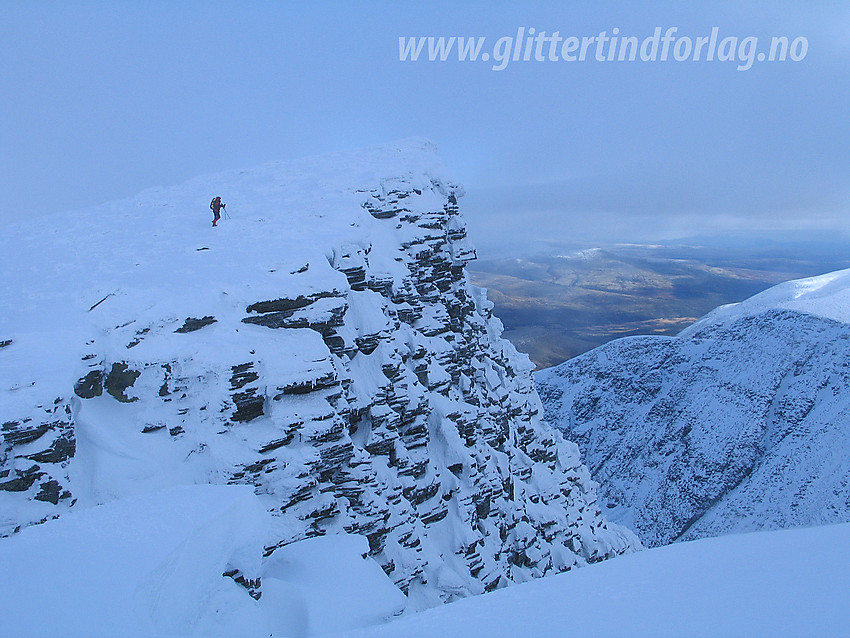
(557, 307)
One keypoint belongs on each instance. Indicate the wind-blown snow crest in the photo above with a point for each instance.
(826, 296)
(322, 346)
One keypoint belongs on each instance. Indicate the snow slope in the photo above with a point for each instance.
(826, 296)
(789, 583)
(152, 565)
(323, 346)
(741, 422)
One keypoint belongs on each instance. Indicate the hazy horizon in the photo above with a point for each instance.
(104, 100)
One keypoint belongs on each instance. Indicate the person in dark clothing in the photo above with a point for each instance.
(216, 206)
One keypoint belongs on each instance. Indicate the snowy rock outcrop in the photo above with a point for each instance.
(739, 423)
(323, 346)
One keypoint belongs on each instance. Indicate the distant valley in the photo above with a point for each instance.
(558, 305)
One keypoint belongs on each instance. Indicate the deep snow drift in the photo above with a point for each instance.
(152, 565)
(323, 346)
(741, 422)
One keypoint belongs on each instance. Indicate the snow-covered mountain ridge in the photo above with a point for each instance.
(740, 422)
(323, 346)
(826, 296)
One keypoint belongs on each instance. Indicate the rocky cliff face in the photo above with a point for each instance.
(737, 424)
(323, 346)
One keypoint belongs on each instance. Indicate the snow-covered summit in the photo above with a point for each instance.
(155, 255)
(323, 346)
(826, 296)
(740, 422)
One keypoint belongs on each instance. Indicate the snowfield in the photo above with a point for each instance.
(788, 583)
(151, 566)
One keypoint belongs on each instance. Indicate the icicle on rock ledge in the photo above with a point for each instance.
(323, 346)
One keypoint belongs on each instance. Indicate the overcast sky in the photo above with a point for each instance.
(100, 100)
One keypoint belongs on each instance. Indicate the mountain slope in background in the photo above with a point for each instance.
(323, 346)
(741, 422)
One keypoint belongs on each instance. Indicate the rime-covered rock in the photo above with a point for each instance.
(323, 346)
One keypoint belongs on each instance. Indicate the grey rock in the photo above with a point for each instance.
(191, 324)
(120, 378)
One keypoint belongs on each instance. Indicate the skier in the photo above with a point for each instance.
(216, 206)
